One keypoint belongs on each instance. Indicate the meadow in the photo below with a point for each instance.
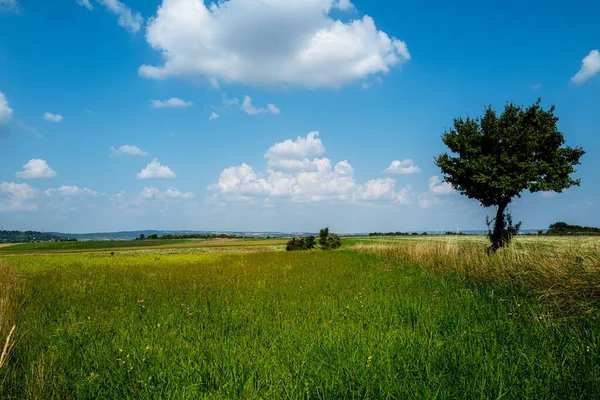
(381, 318)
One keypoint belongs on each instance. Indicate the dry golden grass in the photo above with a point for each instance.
(10, 288)
(564, 272)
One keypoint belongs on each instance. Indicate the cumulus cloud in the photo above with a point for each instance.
(127, 150)
(292, 175)
(14, 196)
(156, 170)
(405, 167)
(36, 168)
(173, 102)
(169, 194)
(439, 187)
(269, 43)
(213, 116)
(248, 108)
(70, 191)
(6, 113)
(590, 66)
(52, 117)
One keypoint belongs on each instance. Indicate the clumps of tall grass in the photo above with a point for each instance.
(565, 275)
(10, 288)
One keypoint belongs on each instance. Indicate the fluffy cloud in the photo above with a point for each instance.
(128, 150)
(213, 116)
(439, 187)
(156, 170)
(248, 108)
(36, 168)
(293, 176)
(269, 43)
(173, 102)
(294, 150)
(169, 194)
(14, 196)
(6, 112)
(590, 66)
(405, 167)
(52, 117)
(70, 191)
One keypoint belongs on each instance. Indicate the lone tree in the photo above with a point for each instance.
(495, 158)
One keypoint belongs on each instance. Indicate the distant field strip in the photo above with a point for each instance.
(136, 245)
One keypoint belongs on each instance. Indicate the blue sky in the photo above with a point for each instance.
(277, 115)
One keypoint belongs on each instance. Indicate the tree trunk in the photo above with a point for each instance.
(498, 236)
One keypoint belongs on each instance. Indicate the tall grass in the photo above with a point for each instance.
(10, 289)
(564, 272)
(318, 325)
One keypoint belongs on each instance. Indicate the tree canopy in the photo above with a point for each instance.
(494, 158)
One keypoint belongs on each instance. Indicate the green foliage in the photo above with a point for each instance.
(302, 243)
(495, 158)
(329, 240)
(30, 236)
(318, 325)
(562, 228)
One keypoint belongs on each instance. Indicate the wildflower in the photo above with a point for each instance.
(369, 359)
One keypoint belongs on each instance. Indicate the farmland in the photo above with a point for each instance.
(383, 317)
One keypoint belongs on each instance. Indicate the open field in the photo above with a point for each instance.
(132, 245)
(381, 318)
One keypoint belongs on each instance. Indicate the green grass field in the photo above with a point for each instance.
(107, 246)
(406, 319)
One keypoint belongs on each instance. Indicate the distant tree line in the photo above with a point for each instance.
(562, 228)
(190, 236)
(327, 241)
(30, 236)
(410, 234)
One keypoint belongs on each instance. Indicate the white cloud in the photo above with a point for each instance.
(273, 109)
(384, 189)
(131, 21)
(213, 116)
(6, 113)
(156, 170)
(293, 176)
(128, 151)
(405, 167)
(9, 6)
(173, 102)
(537, 86)
(53, 117)
(590, 66)
(438, 187)
(248, 108)
(269, 43)
(169, 194)
(14, 196)
(86, 4)
(310, 146)
(70, 191)
(36, 168)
